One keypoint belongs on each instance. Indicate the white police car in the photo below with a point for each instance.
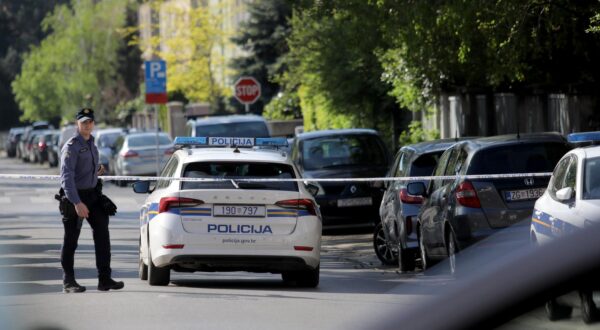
(227, 220)
(571, 202)
(572, 199)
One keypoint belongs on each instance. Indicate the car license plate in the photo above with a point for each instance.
(230, 210)
(524, 194)
(361, 201)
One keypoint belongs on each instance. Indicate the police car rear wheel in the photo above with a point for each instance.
(306, 279)
(142, 268)
(556, 311)
(160, 276)
(589, 311)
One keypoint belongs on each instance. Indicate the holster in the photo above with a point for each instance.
(66, 208)
(109, 207)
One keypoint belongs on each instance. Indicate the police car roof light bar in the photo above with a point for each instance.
(584, 138)
(203, 141)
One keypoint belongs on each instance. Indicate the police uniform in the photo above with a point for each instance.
(79, 180)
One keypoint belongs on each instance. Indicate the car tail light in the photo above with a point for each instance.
(130, 154)
(173, 246)
(303, 248)
(42, 146)
(466, 195)
(299, 204)
(409, 199)
(167, 203)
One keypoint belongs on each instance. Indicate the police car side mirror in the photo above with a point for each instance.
(141, 187)
(312, 189)
(565, 194)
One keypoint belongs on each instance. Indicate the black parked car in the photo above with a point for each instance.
(54, 149)
(459, 212)
(12, 140)
(398, 211)
(347, 153)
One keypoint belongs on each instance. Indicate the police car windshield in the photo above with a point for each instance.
(591, 179)
(238, 171)
(247, 129)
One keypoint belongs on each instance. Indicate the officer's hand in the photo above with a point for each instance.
(82, 210)
(101, 170)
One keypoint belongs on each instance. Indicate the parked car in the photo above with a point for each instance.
(228, 126)
(24, 146)
(54, 150)
(347, 153)
(12, 140)
(396, 235)
(136, 154)
(106, 143)
(458, 212)
(33, 145)
(41, 145)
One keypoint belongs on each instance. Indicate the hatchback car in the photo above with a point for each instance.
(395, 238)
(344, 153)
(229, 222)
(136, 154)
(458, 212)
(12, 140)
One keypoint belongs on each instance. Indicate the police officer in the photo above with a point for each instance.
(79, 176)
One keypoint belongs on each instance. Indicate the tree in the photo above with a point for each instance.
(19, 29)
(263, 38)
(334, 66)
(76, 64)
(190, 38)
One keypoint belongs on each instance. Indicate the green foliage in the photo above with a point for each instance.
(76, 64)
(333, 64)
(263, 37)
(283, 106)
(416, 134)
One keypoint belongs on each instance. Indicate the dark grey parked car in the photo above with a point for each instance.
(344, 153)
(398, 210)
(12, 140)
(459, 212)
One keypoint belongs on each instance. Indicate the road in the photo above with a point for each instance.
(352, 279)
(354, 288)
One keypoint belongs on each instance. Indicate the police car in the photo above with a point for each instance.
(571, 202)
(230, 213)
(572, 199)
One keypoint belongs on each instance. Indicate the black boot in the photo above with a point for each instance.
(73, 287)
(110, 284)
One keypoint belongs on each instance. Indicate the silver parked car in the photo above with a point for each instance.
(136, 154)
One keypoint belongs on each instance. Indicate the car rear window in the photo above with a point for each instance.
(425, 164)
(238, 171)
(147, 140)
(248, 129)
(591, 179)
(343, 150)
(518, 158)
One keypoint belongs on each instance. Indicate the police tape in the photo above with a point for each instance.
(243, 179)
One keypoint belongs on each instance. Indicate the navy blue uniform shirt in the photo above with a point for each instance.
(79, 168)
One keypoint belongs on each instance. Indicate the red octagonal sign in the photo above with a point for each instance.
(247, 90)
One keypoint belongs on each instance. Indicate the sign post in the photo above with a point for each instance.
(247, 91)
(156, 93)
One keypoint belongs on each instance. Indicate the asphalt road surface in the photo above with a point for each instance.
(354, 287)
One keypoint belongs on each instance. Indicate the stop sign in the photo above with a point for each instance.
(247, 90)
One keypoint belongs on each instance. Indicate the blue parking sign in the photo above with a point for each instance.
(156, 81)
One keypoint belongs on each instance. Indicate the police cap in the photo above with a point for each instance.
(85, 114)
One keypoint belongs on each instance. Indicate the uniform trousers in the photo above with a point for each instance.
(98, 220)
